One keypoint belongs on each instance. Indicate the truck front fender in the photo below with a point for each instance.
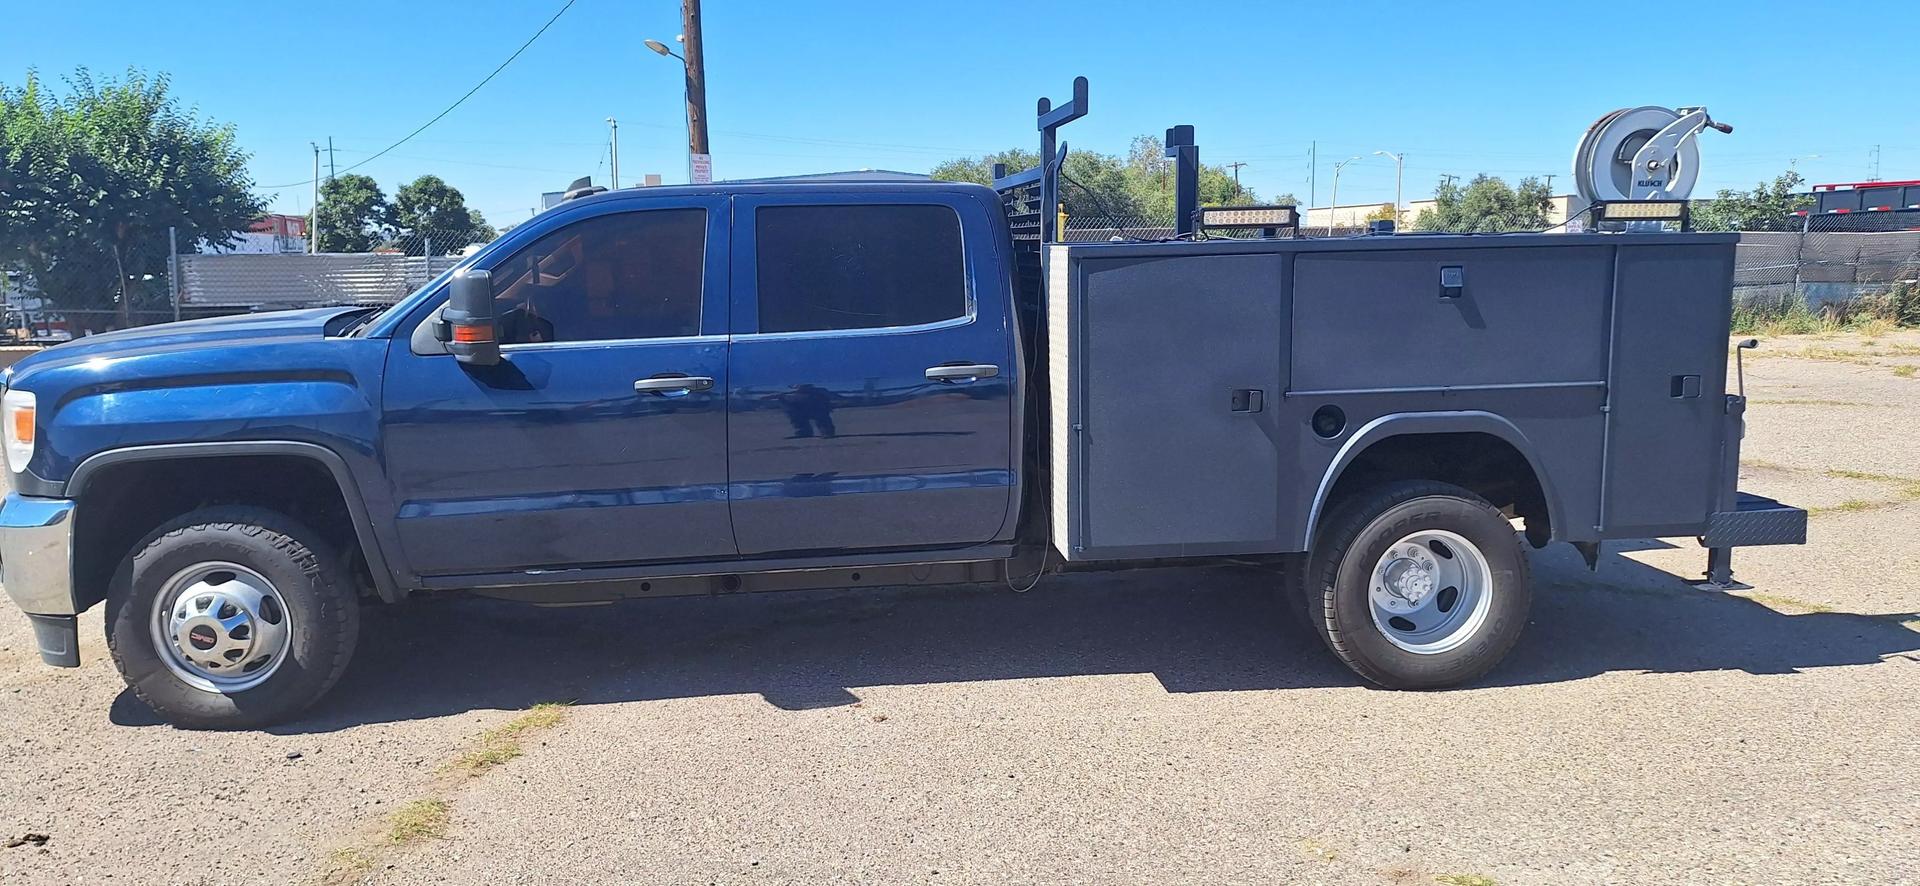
(336, 467)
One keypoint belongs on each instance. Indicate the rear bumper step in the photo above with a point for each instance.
(1756, 520)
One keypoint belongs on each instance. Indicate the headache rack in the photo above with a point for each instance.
(1035, 215)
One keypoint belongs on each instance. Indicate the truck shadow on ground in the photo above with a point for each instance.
(1196, 630)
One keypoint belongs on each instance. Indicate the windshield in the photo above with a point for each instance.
(366, 322)
(368, 325)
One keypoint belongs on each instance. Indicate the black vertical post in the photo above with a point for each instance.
(1186, 178)
(1049, 187)
(1050, 120)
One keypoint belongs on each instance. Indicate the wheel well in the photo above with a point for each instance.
(1487, 465)
(123, 502)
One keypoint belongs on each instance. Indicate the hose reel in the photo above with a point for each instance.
(1644, 153)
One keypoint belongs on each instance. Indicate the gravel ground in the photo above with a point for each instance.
(1150, 726)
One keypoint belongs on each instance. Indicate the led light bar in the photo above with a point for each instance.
(1642, 210)
(1249, 217)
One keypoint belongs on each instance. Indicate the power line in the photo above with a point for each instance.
(436, 118)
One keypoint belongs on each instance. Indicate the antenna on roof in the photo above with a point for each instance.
(582, 187)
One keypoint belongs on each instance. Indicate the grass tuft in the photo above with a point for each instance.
(1905, 370)
(502, 743)
(1873, 314)
(1851, 505)
(1465, 880)
(348, 865)
(1772, 601)
(1908, 486)
(419, 820)
(1801, 401)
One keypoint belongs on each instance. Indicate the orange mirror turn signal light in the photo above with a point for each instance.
(472, 334)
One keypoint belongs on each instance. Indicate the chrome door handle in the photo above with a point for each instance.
(963, 373)
(673, 385)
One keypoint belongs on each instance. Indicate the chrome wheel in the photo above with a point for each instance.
(221, 627)
(1430, 592)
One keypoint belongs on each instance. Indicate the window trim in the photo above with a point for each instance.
(949, 323)
(751, 220)
(706, 338)
(715, 289)
(706, 258)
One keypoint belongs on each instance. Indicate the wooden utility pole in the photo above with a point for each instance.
(1235, 166)
(696, 81)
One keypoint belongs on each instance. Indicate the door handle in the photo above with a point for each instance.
(963, 373)
(673, 385)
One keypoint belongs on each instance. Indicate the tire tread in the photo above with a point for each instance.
(1318, 574)
(280, 532)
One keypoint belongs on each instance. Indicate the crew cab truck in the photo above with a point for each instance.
(711, 389)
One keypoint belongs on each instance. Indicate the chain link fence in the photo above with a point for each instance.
(82, 291)
(1833, 264)
(381, 270)
(1833, 260)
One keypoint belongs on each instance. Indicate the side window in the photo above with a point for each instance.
(858, 267)
(628, 275)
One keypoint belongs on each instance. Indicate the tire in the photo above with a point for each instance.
(281, 635)
(1457, 540)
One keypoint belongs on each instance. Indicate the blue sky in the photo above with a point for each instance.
(1504, 88)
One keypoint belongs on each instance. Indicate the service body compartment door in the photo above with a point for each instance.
(1176, 370)
(1422, 318)
(1667, 389)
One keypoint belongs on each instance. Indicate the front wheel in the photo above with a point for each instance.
(231, 617)
(1418, 585)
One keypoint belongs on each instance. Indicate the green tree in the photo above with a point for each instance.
(354, 215)
(1770, 206)
(979, 170)
(428, 209)
(90, 181)
(1486, 204)
(1150, 178)
(1133, 189)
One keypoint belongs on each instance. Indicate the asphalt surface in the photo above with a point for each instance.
(1151, 726)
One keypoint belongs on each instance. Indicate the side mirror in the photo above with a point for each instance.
(471, 336)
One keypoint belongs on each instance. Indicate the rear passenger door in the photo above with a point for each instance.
(872, 367)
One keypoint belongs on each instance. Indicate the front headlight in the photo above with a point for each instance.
(17, 410)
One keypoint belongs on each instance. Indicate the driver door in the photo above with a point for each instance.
(600, 437)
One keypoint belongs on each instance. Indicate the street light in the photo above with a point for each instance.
(1333, 207)
(1398, 168)
(695, 90)
(665, 50)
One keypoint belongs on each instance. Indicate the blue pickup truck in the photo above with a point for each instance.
(715, 389)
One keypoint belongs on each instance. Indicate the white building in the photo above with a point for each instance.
(1355, 215)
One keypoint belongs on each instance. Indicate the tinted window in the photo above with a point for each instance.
(630, 275)
(857, 267)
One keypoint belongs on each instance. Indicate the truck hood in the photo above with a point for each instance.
(309, 324)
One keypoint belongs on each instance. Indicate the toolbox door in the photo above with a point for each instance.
(1667, 388)
(1179, 367)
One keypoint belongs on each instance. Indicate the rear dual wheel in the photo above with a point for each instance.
(1417, 585)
